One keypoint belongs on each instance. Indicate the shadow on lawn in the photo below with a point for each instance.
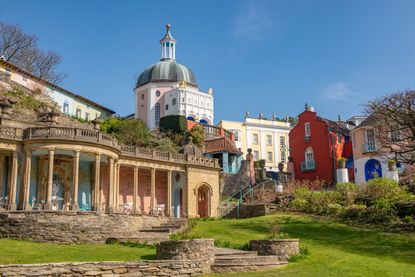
(346, 238)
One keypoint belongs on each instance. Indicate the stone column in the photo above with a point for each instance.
(153, 192)
(13, 182)
(48, 205)
(26, 181)
(110, 207)
(117, 187)
(75, 205)
(135, 191)
(97, 194)
(169, 187)
(1, 181)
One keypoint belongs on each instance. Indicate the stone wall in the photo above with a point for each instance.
(194, 249)
(140, 268)
(284, 249)
(72, 227)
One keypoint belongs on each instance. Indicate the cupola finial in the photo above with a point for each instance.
(168, 45)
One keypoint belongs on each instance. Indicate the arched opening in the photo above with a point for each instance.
(204, 121)
(203, 201)
(373, 169)
(191, 118)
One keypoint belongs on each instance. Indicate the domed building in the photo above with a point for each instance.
(170, 88)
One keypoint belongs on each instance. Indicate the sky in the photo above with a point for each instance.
(258, 56)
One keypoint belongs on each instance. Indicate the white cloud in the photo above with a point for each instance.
(338, 91)
(252, 21)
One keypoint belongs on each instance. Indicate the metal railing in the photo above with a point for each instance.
(308, 166)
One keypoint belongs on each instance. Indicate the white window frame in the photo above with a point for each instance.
(307, 129)
(255, 139)
(256, 155)
(269, 140)
(270, 157)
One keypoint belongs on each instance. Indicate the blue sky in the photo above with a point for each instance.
(261, 56)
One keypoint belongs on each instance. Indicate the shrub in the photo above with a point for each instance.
(348, 192)
(198, 135)
(353, 212)
(111, 125)
(320, 201)
(317, 184)
(382, 211)
(176, 124)
(384, 189)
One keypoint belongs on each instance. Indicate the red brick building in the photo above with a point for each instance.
(316, 144)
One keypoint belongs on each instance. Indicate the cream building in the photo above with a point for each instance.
(268, 139)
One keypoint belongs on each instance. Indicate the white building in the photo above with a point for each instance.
(169, 88)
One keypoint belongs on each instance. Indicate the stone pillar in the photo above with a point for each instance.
(135, 191)
(153, 192)
(13, 182)
(169, 187)
(97, 191)
(117, 187)
(342, 175)
(2, 182)
(48, 205)
(110, 207)
(26, 181)
(75, 205)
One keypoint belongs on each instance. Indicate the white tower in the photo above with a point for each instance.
(168, 45)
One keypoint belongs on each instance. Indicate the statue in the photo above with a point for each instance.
(250, 161)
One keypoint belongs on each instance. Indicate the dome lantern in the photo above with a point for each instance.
(168, 45)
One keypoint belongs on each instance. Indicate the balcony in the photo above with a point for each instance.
(308, 166)
(369, 147)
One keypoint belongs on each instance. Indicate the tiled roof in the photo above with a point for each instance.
(370, 121)
(339, 127)
(221, 144)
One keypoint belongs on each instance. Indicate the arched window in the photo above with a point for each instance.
(142, 96)
(309, 154)
(173, 101)
(158, 93)
(203, 121)
(157, 114)
(191, 118)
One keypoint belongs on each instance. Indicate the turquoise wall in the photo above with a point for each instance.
(84, 186)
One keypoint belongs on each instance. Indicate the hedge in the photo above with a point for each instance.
(173, 123)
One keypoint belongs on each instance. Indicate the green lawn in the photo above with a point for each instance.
(334, 249)
(25, 252)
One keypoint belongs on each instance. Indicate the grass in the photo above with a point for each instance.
(334, 249)
(27, 252)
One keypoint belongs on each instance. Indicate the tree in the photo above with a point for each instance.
(394, 118)
(133, 132)
(21, 49)
(198, 135)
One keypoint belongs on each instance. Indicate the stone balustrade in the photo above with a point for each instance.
(11, 133)
(70, 134)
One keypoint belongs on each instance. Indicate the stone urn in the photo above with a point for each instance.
(283, 248)
(341, 163)
(53, 117)
(97, 123)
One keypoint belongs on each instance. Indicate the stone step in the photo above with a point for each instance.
(223, 252)
(159, 230)
(164, 226)
(245, 263)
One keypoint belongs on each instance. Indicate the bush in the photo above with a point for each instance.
(382, 211)
(317, 184)
(348, 192)
(198, 135)
(384, 189)
(176, 124)
(320, 202)
(353, 212)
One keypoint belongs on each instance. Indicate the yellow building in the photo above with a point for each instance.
(268, 139)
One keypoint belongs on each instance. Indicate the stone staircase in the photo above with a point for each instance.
(232, 260)
(155, 234)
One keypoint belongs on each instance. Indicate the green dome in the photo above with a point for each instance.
(166, 70)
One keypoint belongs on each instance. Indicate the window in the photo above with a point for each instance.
(395, 135)
(167, 107)
(236, 135)
(370, 140)
(255, 139)
(157, 114)
(269, 157)
(339, 139)
(86, 116)
(183, 99)
(66, 107)
(282, 141)
(283, 149)
(269, 140)
(309, 154)
(174, 101)
(158, 93)
(142, 96)
(78, 113)
(307, 128)
(256, 155)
